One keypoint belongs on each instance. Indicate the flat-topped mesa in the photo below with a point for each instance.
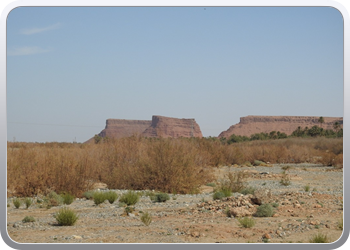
(172, 127)
(118, 128)
(249, 125)
(160, 126)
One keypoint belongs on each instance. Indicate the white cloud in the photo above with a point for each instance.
(32, 31)
(26, 50)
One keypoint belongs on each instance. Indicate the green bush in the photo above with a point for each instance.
(248, 190)
(274, 204)
(17, 202)
(111, 196)
(99, 197)
(28, 202)
(146, 219)
(67, 198)
(162, 197)
(248, 163)
(246, 222)
(307, 188)
(122, 204)
(259, 163)
(28, 219)
(129, 198)
(264, 210)
(89, 194)
(319, 238)
(226, 191)
(66, 217)
(151, 195)
(53, 199)
(218, 195)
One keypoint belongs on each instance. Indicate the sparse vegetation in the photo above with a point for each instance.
(226, 191)
(66, 217)
(340, 224)
(246, 222)
(234, 182)
(264, 210)
(111, 196)
(89, 194)
(285, 179)
(218, 195)
(146, 219)
(129, 198)
(53, 199)
(265, 240)
(307, 188)
(99, 197)
(274, 204)
(17, 202)
(260, 163)
(28, 202)
(28, 219)
(67, 198)
(248, 190)
(161, 197)
(319, 238)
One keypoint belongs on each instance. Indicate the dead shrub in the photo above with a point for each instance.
(166, 164)
(338, 161)
(235, 182)
(327, 158)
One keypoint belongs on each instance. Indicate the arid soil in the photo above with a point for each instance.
(198, 218)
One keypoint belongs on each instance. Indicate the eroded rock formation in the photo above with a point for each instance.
(118, 128)
(172, 127)
(249, 125)
(159, 126)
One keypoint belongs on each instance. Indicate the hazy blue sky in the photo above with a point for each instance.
(80, 66)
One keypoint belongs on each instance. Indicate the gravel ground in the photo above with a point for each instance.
(178, 221)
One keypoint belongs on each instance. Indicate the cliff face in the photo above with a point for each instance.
(160, 126)
(285, 124)
(172, 127)
(118, 128)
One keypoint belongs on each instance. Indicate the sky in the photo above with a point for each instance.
(71, 68)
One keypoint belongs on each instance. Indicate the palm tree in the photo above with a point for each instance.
(336, 126)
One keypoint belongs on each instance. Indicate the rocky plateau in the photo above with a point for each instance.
(161, 126)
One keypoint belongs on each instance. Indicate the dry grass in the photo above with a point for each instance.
(167, 165)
